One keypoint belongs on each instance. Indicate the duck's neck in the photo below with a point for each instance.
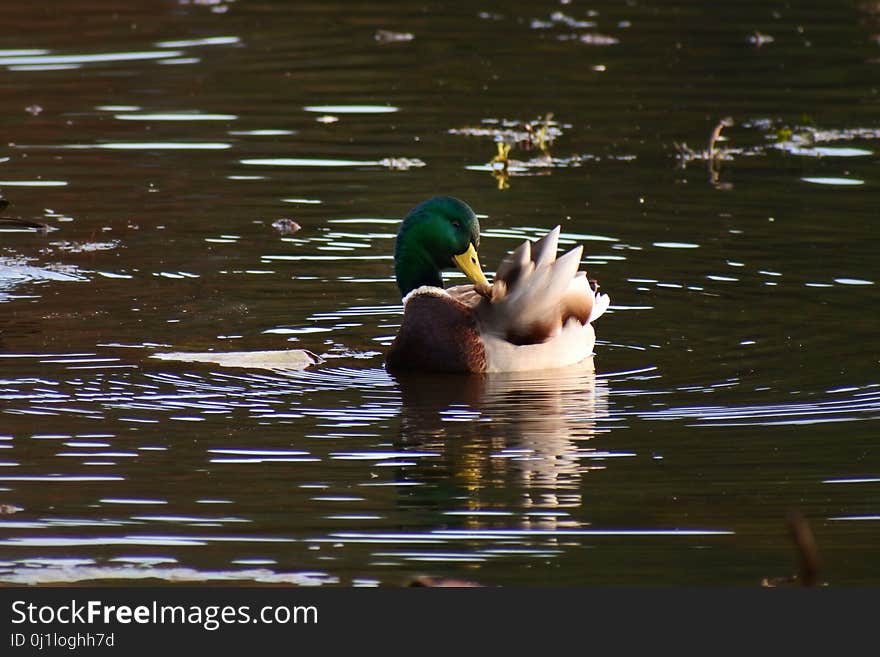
(414, 267)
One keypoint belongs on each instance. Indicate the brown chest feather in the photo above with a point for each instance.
(438, 334)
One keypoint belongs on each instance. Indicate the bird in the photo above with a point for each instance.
(536, 314)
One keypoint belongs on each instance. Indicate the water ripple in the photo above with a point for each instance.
(40, 60)
(35, 574)
(861, 405)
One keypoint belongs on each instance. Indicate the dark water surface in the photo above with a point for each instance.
(736, 373)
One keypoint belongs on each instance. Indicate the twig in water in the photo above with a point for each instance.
(805, 542)
(540, 137)
(502, 157)
(808, 553)
(713, 156)
(716, 135)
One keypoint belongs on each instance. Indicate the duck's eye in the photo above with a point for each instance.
(456, 224)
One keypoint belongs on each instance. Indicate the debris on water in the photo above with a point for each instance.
(559, 18)
(510, 136)
(802, 139)
(758, 39)
(712, 154)
(9, 509)
(286, 226)
(327, 118)
(341, 351)
(538, 133)
(401, 163)
(389, 36)
(33, 110)
(86, 247)
(784, 134)
(287, 359)
(595, 39)
(806, 140)
(502, 166)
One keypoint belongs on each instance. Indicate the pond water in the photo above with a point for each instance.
(736, 374)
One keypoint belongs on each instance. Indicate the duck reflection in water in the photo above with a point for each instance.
(508, 440)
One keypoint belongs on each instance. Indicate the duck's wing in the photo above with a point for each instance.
(438, 332)
(535, 294)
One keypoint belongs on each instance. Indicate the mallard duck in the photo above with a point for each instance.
(536, 314)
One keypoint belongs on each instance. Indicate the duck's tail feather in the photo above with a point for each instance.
(600, 305)
(535, 293)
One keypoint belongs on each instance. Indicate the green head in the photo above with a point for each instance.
(440, 233)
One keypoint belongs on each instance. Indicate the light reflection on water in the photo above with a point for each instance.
(538, 436)
(73, 570)
(532, 433)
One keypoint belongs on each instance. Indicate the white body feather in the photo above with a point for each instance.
(571, 345)
(533, 290)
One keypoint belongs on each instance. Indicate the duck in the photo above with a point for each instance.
(536, 314)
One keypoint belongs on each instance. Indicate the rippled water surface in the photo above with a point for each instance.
(735, 378)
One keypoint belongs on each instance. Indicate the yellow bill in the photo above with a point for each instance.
(469, 263)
